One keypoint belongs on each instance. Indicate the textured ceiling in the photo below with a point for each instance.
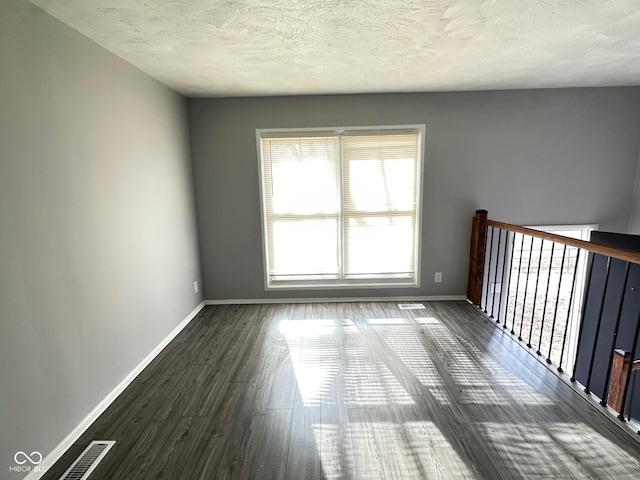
(257, 47)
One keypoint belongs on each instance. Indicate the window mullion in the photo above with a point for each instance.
(341, 246)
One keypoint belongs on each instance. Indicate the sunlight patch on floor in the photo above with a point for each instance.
(481, 379)
(525, 447)
(368, 450)
(407, 348)
(616, 463)
(318, 348)
(367, 380)
(308, 342)
(388, 321)
(551, 449)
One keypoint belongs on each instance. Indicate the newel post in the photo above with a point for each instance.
(476, 256)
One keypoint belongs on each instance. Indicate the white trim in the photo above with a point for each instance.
(422, 140)
(254, 301)
(338, 130)
(263, 208)
(86, 422)
(353, 284)
(588, 227)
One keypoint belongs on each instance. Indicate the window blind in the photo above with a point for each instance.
(302, 207)
(379, 181)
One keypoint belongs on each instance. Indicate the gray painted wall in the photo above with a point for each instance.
(529, 157)
(634, 221)
(98, 244)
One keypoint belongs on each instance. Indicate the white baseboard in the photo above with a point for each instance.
(70, 439)
(252, 301)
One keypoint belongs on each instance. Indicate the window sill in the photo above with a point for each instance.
(283, 285)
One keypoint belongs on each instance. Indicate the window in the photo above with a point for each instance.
(341, 207)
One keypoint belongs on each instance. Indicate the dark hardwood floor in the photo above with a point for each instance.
(352, 390)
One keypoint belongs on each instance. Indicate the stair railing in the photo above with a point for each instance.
(537, 284)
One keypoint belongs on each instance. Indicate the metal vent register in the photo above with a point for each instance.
(88, 460)
(411, 306)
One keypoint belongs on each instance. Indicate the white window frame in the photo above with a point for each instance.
(314, 284)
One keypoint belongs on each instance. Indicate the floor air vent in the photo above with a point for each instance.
(88, 460)
(411, 306)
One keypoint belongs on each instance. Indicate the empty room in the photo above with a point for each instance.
(319, 239)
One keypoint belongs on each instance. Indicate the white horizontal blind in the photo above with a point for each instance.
(380, 195)
(302, 207)
(340, 208)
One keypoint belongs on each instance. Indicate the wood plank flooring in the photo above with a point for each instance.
(352, 390)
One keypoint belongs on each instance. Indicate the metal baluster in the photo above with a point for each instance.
(504, 269)
(598, 324)
(535, 292)
(546, 297)
(486, 290)
(566, 325)
(582, 314)
(630, 369)
(603, 401)
(495, 273)
(555, 309)
(526, 288)
(515, 304)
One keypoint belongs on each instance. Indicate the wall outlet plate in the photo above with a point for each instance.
(438, 277)
(195, 287)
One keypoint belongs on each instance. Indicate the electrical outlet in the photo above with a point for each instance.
(438, 277)
(195, 287)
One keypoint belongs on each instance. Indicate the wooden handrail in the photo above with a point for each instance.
(619, 253)
(479, 240)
